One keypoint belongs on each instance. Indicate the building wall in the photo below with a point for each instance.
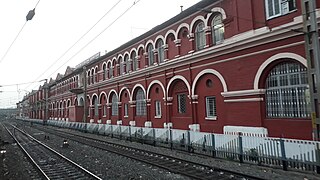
(233, 71)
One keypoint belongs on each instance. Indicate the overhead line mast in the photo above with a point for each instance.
(312, 47)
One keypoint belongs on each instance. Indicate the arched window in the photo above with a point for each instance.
(160, 49)
(88, 77)
(96, 75)
(134, 61)
(122, 71)
(110, 71)
(92, 76)
(150, 54)
(200, 36)
(286, 91)
(96, 109)
(128, 64)
(141, 105)
(114, 105)
(217, 29)
(104, 71)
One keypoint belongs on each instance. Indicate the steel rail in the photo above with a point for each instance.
(28, 155)
(58, 154)
(75, 137)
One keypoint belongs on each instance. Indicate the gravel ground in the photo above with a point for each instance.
(104, 164)
(111, 166)
(260, 171)
(14, 165)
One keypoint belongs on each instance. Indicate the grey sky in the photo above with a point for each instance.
(57, 25)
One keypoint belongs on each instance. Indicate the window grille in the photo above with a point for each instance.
(200, 36)
(286, 91)
(141, 105)
(121, 67)
(217, 29)
(104, 72)
(114, 105)
(150, 55)
(128, 64)
(158, 108)
(96, 109)
(134, 61)
(211, 106)
(126, 110)
(110, 71)
(276, 8)
(160, 51)
(182, 103)
(104, 110)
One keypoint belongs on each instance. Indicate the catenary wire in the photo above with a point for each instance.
(63, 54)
(7, 51)
(123, 13)
(14, 40)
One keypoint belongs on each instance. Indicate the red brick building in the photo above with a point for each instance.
(217, 64)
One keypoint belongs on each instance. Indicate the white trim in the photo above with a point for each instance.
(209, 71)
(122, 89)
(249, 92)
(244, 100)
(182, 25)
(181, 78)
(133, 89)
(273, 58)
(198, 18)
(214, 118)
(156, 82)
(112, 90)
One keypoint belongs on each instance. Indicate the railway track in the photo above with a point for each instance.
(50, 163)
(189, 169)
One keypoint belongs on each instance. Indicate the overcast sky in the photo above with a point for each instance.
(57, 25)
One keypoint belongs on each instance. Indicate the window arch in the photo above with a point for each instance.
(122, 71)
(141, 106)
(200, 36)
(127, 63)
(150, 55)
(286, 91)
(217, 29)
(92, 76)
(134, 61)
(160, 49)
(114, 105)
(96, 108)
(104, 71)
(111, 70)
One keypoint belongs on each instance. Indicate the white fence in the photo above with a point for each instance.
(288, 153)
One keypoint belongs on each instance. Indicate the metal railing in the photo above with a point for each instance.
(286, 153)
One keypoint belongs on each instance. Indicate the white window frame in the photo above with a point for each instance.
(96, 108)
(211, 112)
(200, 36)
(180, 105)
(217, 29)
(141, 105)
(114, 106)
(160, 48)
(104, 111)
(158, 112)
(283, 8)
(150, 55)
(126, 110)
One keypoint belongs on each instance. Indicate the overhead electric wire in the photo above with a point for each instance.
(5, 85)
(5, 54)
(7, 51)
(134, 3)
(63, 54)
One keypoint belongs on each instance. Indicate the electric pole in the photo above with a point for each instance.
(310, 29)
